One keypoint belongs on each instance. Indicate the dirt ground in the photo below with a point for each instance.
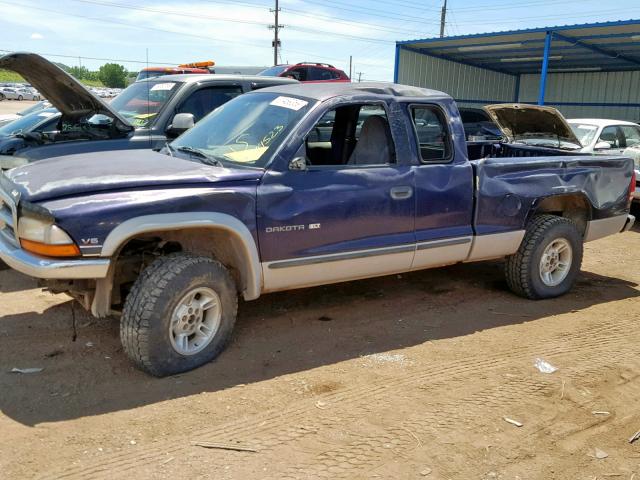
(399, 377)
(14, 106)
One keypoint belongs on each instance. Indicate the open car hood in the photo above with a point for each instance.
(62, 90)
(517, 120)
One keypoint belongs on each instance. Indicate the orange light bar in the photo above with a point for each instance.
(208, 63)
(50, 250)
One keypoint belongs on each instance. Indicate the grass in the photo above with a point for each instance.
(7, 76)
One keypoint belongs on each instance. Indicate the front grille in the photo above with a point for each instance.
(8, 218)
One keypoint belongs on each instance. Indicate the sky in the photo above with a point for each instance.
(88, 32)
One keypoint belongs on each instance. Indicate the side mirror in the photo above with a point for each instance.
(298, 164)
(602, 146)
(180, 124)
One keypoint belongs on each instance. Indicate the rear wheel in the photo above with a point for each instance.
(549, 258)
(179, 314)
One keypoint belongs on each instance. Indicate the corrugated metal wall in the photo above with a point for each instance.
(462, 82)
(465, 82)
(588, 87)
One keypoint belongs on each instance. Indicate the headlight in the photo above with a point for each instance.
(44, 238)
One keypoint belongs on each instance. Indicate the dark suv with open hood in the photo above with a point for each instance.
(145, 115)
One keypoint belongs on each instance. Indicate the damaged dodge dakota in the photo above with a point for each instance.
(297, 186)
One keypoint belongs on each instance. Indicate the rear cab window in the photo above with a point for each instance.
(432, 133)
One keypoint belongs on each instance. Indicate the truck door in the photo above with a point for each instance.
(348, 214)
(443, 187)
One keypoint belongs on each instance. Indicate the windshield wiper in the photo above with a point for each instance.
(200, 154)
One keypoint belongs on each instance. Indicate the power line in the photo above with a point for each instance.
(224, 19)
(169, 12)
(59, 55)
(374, 26)
(371, 12)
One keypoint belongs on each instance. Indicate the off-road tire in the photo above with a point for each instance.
(146, 318)
(522, 269)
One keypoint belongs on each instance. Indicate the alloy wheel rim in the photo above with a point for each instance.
(195, 321)
(555, 262)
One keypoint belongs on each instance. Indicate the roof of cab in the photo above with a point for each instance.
(324, 91)
(215, 77)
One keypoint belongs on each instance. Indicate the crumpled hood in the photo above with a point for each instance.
(62, 90)
(84, 174)
(516, 120)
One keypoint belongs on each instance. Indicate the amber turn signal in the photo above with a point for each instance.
(50, 250)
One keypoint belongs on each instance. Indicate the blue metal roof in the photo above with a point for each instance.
(605, 46)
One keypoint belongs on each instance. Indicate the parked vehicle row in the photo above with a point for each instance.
(12, 93)
(292, 186)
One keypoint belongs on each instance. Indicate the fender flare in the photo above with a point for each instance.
(251, 271)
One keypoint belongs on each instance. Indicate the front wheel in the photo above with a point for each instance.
(179, 314)
(549, 258)
(19, 98)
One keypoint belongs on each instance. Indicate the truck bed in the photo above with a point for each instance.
(507, 189)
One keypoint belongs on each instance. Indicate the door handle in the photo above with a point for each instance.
(401, 193)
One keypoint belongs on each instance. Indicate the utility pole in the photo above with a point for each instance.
(276, 29)
(350, 65)
(359, 76)
(443, 18)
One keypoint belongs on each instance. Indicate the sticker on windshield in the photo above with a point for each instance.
(289, 102)
(162, 86)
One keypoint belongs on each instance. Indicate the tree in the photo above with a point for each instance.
(80, 73)
(113, 75)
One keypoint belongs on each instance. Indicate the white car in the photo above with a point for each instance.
(602, 136)
(9, 93)
(28, 94)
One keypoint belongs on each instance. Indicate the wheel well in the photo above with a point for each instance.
(140, 251)
(575, 207)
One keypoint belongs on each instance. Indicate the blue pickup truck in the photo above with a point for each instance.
(254, 199)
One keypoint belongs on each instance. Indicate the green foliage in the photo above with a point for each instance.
(113, 75)
(8, 76)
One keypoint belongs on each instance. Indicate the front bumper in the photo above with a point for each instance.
(50, 268)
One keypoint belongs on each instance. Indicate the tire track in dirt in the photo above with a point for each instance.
(272, 429)
(455, 414)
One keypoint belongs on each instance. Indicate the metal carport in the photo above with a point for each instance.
(588, 70)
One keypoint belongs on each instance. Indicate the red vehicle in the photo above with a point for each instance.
(308, 72)
(195, 67)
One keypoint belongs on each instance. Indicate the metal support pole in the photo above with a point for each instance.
(350, 65)
(545, 67)
(396, 64)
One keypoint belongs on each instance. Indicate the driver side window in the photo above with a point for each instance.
(610, 135)
(351, 135)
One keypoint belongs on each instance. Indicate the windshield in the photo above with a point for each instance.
(144, 74)
(26, 123)
(273, 71)
(141, 102)
(584, 132)
(245, 130)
